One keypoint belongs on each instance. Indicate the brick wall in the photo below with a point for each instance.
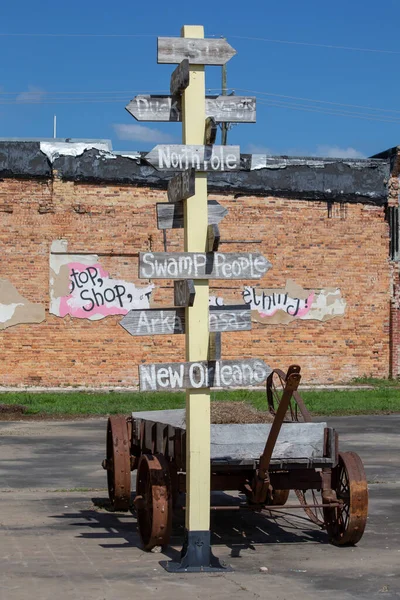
(348, 249)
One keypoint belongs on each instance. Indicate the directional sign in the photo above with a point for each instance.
(182, 186)
(172, 320)
(213, 238)
(224, 109)
(203, 374)
(170, 216)
(211, 128)
(197, 51)
(202, 265)
(180, 78)
(184, 292)
(177, 157)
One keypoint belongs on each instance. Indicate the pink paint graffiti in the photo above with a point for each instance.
(93, 293)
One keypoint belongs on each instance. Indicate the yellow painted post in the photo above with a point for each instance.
(196, 221)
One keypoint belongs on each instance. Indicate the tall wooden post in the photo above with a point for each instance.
(197, 401)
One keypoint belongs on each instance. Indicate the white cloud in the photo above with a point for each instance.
(34, 94)
(258, 149)
(141, 133)
(337, 152)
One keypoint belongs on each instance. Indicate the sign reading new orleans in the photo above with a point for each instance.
(203, 374)
(177, 157)
(202, 265)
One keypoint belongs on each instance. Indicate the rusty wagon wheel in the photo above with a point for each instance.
(117, 463)
(346, 524)
(153, 501)
(279, 497)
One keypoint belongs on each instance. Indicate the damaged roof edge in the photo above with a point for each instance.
(308, 178)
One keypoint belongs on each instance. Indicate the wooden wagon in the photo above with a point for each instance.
(262, 461)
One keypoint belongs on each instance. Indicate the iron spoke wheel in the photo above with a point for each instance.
(154, 500)
(307, 497)
(346, 523)
(118, 463)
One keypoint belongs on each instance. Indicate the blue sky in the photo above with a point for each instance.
(62, 75)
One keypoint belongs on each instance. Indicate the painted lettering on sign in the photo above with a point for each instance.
(94, 295)
(268, 304)
(202, 158)
(201, 265)
(203, 374)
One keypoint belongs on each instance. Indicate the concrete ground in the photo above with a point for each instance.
(59, 540)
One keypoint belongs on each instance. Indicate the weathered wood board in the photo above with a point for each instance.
(184, 292)
(171, 50)
(223, 109)
(182, 186)
(170, 321)
(170, 216)
(202, 265)
(214, 346)
(211, 128)
(213, 238)
(179, 157)
(180, 78)
(203, 374)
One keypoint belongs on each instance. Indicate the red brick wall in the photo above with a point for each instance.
(348, 250)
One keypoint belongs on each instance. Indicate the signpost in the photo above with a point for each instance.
(168, 321)
(175, 157)
(182, 186)
(192, 269)
(203, 374)
(180, 78)
(202, 265)
(198, 51)
(184, 292)
(232, 109)
(170, 216)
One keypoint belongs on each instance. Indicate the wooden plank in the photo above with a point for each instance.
(211, 128)
(170, 216)
(223, 109)
(179, 157)
(184, 292)
(202, 265)
(213, 238)
(214, 346)
(180, 78)
(182, 186)
(171, 321)
(171, 50)
(203, 374)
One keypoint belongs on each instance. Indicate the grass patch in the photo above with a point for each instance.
(319, 402)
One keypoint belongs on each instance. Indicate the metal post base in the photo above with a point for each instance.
(196, 556)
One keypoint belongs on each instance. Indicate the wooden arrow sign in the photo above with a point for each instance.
(202, 265)
(213, 238)
(223, 109)
(170, 216)
(182, 186)
(210, 134)
(171, 50)
(176, 157)
(203, 374)
(172, 320)
(184, 292)
(180, 78)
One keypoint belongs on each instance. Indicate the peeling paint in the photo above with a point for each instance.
(15, 309)
(56, 149)
(81, 288)
(282, 306)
